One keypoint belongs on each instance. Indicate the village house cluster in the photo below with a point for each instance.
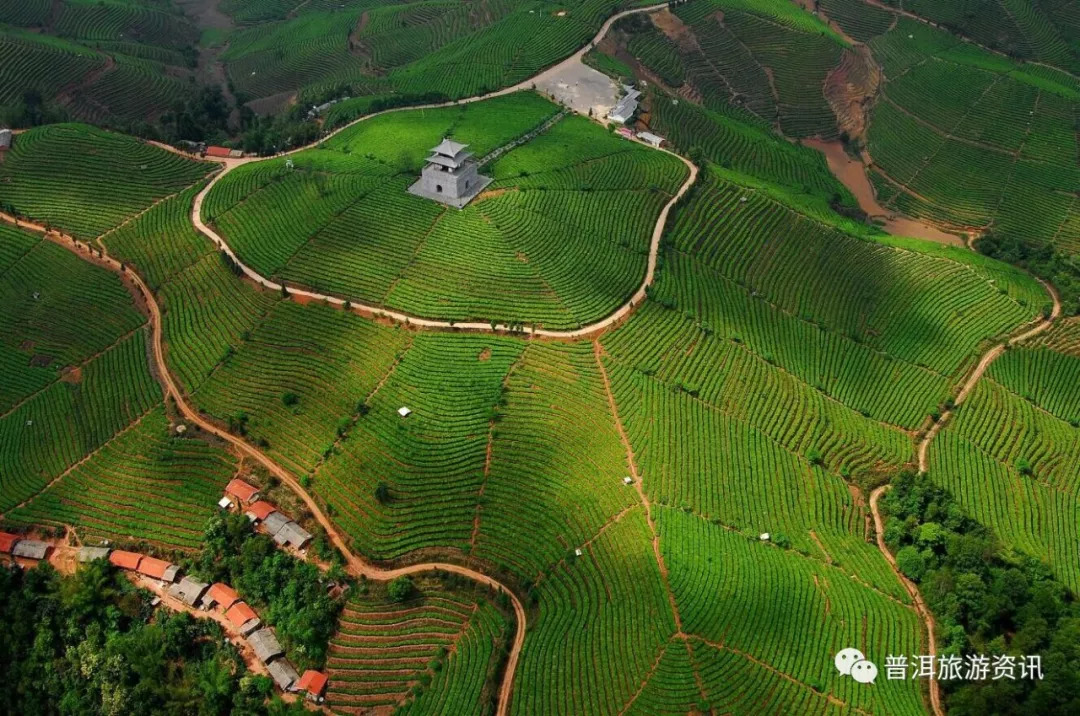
(165, 578)
(265, 516)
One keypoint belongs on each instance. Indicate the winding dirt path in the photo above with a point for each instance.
(375, 311)
(980, 368)
(354, 564)
(916, 597)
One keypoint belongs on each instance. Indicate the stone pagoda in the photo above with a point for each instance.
(450, 176)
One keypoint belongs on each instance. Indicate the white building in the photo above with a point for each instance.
(650, 138)
(624, 109)
(5, 138)
(450, 176)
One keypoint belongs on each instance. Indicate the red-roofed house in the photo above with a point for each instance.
(241, 490)
(259, 511)
(218, 151)
(221, 595)
(243, 618)
(158, 569)
(7, 542)
(314, 683)
(125, 560)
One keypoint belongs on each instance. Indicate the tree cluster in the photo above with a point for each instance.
(986, 599)
(289, 594)
(1043, 261)
(93, 644)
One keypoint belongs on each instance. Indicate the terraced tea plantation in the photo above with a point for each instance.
(764, 61)
(113, 62)
(673, 512)
(1010, 456)
(997, 147)
(382, 49)
(84, 440)
(433, 652)
(559, 239)
(86, 181)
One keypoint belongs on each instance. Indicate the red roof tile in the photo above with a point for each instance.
(153, 567)
(124, 560)
(261, 509)
(313, 682)
(240, 614)
(241, 490)
(217, 151)
(224, 595)
(7, 542)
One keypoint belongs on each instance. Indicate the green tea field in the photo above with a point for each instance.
(695, 389)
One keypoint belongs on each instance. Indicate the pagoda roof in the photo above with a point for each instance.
(451, 162)
(449, 148)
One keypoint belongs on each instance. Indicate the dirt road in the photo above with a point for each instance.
(920, 605)
(354, 564)
(980, 368)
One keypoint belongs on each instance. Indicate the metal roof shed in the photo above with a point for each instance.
(266, 645)
(31, 549)
(294, 534)
(188, 590)
(274, 522)
(283, 674)
(89, 554)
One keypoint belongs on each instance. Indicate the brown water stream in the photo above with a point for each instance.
(852, 174)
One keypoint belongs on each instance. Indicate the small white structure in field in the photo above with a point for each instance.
(6, 136)
(289, 164)
(764, 537)
(224, 503)
(577, 552)
(404, 412)
(628, 480)
(181, 429)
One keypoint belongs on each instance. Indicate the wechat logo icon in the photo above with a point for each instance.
(853, 663)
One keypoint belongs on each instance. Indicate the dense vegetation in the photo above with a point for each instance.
(91, 643)
(289, 594)
(988, 599)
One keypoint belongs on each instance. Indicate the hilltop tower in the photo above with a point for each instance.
(450, 175)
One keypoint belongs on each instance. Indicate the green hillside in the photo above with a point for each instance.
(559, 239)
(675, 513)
